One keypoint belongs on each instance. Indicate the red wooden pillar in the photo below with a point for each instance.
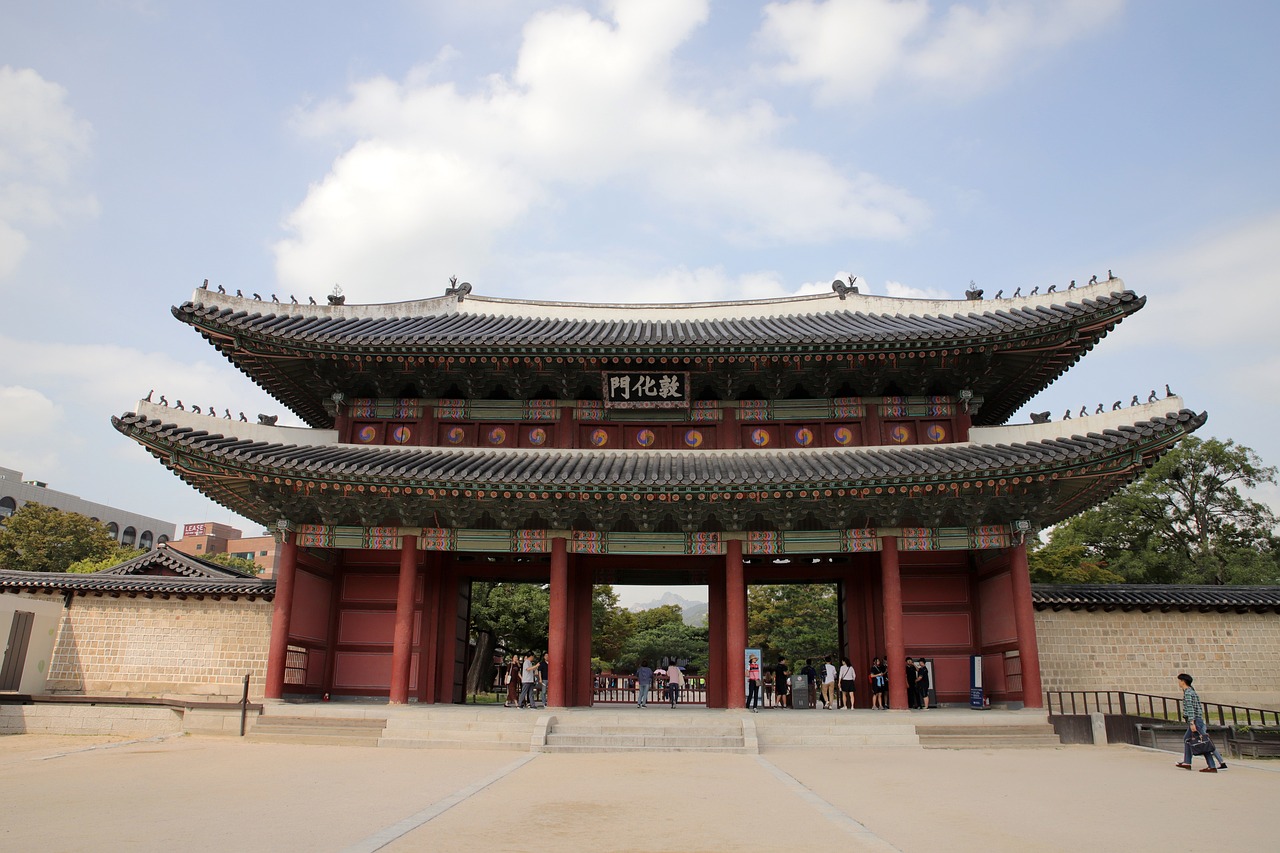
(716, 637)
(735, 605)
(581, 678)
(560, 623)
(895, 647)
(402, 638)
(1024, 618)
(855, 635)
(429, 667)
(281, 613)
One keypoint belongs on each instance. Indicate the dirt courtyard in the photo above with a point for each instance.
(202, 793)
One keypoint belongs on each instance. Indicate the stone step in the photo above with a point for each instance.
(555, 738)
(446, 742)
(650, 731)
(313, 738)
(338, 731)
(988, 740)
(786, 739)
(738, 750)
(1022, 729)
(405, 724)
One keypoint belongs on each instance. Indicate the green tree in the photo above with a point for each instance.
(1067, 563)
(240, 564)
(611, 625)
(667, 638)
(1186, 520)
(120, 554)
(795, 621)
(38, 538)
(655, 617)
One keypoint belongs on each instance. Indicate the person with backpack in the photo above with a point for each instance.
(879, 676)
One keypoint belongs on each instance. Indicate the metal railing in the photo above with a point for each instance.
(1153, 707)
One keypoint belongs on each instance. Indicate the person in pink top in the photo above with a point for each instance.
(753, 684)
(675, 680)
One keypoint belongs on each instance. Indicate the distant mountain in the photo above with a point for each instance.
(695, 612)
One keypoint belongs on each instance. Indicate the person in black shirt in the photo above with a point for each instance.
(879, 684)
(913, 695)
(922, 683)
(781, 684)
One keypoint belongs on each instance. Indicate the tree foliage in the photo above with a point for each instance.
(794, 621)
(240, 564)
(38, 538)
(89, 565)
(1186, 520)
(665, 639)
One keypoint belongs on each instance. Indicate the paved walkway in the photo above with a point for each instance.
(195, 794)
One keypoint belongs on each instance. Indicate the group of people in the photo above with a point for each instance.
(833, 687)
(644, 683)
(526, 681)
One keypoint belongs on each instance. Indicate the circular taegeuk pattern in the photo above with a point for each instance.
(843, 435)
(456, 435)
(367, 434)
(497, 435)
(537, 436)
(899, 434)
(804, 436)
(693, 438)
(599, 437)
(760, 437)
(645, 438)
(401, 435)
(936, 432)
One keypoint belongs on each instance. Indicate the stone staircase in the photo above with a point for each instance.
(668, 734)
(1022, 736)
(324, 731)
(458, 728)
(801, 730)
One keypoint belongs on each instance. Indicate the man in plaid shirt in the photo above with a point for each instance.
(1193, 713)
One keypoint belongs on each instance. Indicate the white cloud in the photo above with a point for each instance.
(27, 419)
(849, 49)
(41, 141)
(432, 176)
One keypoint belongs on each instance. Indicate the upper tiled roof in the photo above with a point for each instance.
(1004, 350)
(491, 323)
(1182, 597)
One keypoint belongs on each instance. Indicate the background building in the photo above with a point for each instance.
(127, 528)
(209, 537)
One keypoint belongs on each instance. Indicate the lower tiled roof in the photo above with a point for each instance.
(1163, 597)
(100, 583)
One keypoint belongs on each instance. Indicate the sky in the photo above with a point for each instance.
(620, 151)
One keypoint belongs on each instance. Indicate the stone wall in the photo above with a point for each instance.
(1234, 657)
(161, 647)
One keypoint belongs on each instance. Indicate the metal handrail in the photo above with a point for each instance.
(1132, 704)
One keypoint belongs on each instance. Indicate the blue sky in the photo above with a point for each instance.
(637, 150)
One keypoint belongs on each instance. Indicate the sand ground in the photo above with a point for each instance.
(62, 793)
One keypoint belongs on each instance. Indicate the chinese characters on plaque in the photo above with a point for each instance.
(646, 390)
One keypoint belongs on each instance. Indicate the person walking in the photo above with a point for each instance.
(828, 684)
(1193, 713)
(879, 683)
(810, 676)
(675, 680)
(848, 683)
(528, 678)
(644, 680)
(753, 684)
(513, 682)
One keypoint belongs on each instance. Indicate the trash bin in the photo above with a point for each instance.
(800, 698)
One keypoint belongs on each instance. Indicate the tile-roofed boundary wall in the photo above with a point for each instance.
(1138, 638)
(158, 646)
